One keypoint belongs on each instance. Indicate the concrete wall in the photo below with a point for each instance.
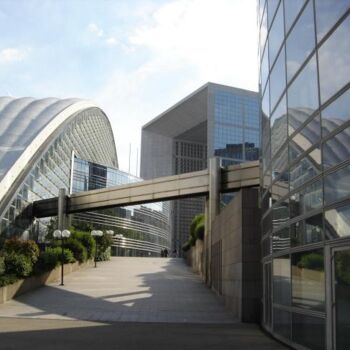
(236, 267)
(235, 256)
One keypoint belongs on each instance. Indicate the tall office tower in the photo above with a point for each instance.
(215, 120)
(305, 199)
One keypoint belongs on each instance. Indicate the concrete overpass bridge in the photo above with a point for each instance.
(209, 182)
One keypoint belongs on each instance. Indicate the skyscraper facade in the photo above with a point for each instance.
(305, 197)
(215, 120)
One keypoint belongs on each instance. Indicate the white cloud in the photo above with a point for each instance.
(111, 41)
(9, 55)
(187, 43)
(93, 28)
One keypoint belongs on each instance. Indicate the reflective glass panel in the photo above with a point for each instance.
(337, 185)
(306, 168)
(328, 13)
(334, 53)
(280, 188)
(337, 113)
(301, 41)
(307, 199)
(291, 10)
(271, 6)
(303, 93)
(337, 149)
(281, 280)
(264, 69)
(282, 322)
(308, 280)
(306, 138)
(277, 79)
(280, 163)
(263, 33)
(307, 231)
(281, 240)
(276, 35)
(279, 126)
(280, 214)
(308, 331)
(337, 222)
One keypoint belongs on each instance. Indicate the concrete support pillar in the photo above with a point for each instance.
(212, 208)
(61, 208)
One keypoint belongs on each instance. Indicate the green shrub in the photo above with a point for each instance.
(104, 255)
(18, 264)
(2, 265)
(197, 229)
(77, 248)
(87, 241)
(47, 261)
(27, 248)
(68, 256)
(5, 280)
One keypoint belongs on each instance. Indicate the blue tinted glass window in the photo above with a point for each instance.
(291, 10)
(271, 7)
(328, 13)
(337, 149)
(337, 185)
(277, 79)
(301, 41)
(308, 136)
(303, 93)
(276, 35)
(279, 126)
(336, 114)
(334, 54)
(263, 32)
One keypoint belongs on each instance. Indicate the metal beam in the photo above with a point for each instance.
(192, 184)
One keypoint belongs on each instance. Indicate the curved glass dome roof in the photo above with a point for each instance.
(26, 124)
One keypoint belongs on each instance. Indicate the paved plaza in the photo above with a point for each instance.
(131, 301)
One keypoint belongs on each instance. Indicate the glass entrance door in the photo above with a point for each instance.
(341, 295)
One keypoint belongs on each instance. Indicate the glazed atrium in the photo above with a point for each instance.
(50, 144)
(305, 197)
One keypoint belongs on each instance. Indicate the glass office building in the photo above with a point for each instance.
(215, 120)
(140, 230)
(37, 138)
(305, 197)
(41, 143)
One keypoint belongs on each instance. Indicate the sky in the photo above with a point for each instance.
(133, 58)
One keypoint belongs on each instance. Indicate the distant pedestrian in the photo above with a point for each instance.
(162, 253)
(165, 253)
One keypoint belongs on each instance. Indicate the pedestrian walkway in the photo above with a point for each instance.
(137, 295)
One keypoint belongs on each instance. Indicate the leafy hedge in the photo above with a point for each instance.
(197, 230)
(77, 248)
(28, 248)
(86, 240)
(18, 264)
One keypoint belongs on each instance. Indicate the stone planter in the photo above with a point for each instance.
(25, 285)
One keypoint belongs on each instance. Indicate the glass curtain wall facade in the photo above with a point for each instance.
(87, 132)
(305, 197)
(140, 230)
(215, 120)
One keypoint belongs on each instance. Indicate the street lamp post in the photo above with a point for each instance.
(96, 233)
(62, 235)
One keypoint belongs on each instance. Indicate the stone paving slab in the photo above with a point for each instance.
(72, 335)
(126, 290)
